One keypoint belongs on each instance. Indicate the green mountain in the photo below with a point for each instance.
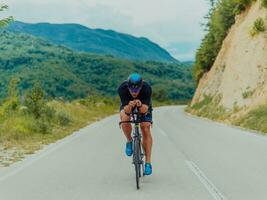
(99, 41)
(69, 74)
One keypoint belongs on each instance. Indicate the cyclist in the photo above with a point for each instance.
(134, 92)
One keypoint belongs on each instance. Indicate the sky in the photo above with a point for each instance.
(173, 24)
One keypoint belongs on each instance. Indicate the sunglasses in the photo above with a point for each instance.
(134, 89)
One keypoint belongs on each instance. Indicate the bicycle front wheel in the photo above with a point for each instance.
(137, 162)
(137, 172)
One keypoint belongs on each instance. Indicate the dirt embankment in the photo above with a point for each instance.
(239, 74)
(236, 85)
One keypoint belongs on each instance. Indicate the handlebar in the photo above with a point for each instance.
(135, 120)
(124, 122)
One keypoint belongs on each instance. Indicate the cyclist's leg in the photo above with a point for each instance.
(147, 137)
(126, 127)
(147, 140)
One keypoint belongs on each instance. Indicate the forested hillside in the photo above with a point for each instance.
(68, 74)
(99, 41)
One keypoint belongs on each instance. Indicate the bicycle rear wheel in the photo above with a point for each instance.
(142, 162)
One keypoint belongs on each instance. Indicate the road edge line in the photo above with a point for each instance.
(214, 192)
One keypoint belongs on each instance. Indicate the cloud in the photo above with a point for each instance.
(184, 50)
(166, 22)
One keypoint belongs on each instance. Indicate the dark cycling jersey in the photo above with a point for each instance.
(144, 95)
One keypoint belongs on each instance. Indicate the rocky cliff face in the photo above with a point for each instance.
(238, 77)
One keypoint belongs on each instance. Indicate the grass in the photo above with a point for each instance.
(24, 131)
(210, 108)
(21, 133)
(248, 94)
(256, 119)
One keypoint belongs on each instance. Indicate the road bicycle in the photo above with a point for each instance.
(138, 153)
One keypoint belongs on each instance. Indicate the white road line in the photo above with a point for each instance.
(215, 193)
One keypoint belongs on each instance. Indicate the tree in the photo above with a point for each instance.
(220, 18)
(13, 88)
(5, 21)
(35, 100)
(12, 101)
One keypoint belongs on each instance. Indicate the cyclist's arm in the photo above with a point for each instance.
(143, 109)
(146, 101)
(125, 100)
(128, 108)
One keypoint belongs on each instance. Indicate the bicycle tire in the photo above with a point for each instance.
(140, 159)
(137, 162)
(137, 176)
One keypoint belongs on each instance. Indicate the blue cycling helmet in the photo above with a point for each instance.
(135, 82)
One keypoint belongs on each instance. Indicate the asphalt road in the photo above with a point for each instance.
(193, 159)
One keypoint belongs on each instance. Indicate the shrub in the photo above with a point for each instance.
(248, 94)
(11, 103)
(63, 118)
(35, 101)
(43, 126)
(259, 26)
(220, 18)
(17, 128)
(264, 3)
(159, 94)
(49, 113)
